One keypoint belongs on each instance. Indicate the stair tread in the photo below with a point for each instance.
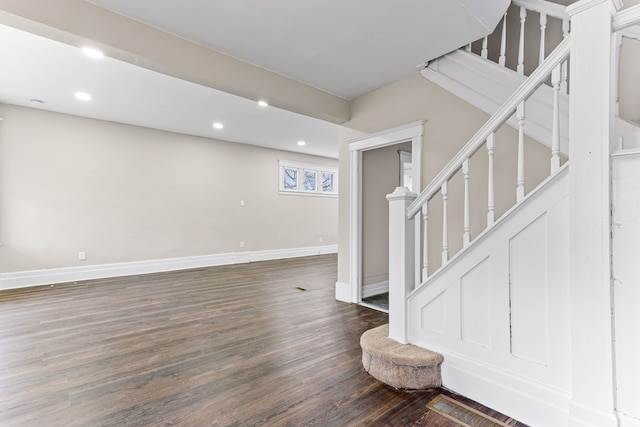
(377, 343)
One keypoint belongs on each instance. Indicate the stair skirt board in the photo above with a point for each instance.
(23, 279)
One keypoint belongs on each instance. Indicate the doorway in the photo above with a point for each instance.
(383, 169)
(411, 135)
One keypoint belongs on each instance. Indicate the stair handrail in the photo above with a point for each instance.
(626, 18)
(524, 91)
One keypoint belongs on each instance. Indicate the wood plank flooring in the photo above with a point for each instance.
(224, 346)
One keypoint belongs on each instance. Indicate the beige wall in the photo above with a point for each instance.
(629, 82)
(380, 176)
(630, 3)
(450, 123)
(123, 193)
(553, 36)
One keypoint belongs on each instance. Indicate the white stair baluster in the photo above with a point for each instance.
(555, 131)
(503, 42)
(491, 204)
(466, 236)
(523, 18)
(445, 225)
(485, 52)
(468, 47)
(565, 64)
(520, 179)
(425, 249)
(543, 28)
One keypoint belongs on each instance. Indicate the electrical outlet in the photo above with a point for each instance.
(242, 203)
(320, 239)
(82, 256)
(242, 244)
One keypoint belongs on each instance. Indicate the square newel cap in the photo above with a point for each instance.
(582, 5)
(401, 193)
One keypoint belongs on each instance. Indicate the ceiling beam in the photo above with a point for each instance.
(79, 23)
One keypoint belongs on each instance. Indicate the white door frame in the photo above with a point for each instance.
(409, 132)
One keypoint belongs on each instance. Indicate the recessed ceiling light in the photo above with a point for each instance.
(301, 143)
(92, 53)
(83, 96)
(218, 125)
(263, 103)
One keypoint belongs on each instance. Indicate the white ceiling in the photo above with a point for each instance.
(342, 47)
(34, 67)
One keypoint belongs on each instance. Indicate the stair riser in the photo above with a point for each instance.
(402, 376)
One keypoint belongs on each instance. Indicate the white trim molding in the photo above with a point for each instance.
(375, 289)
(300, 169)
(627, 421)
(625, 19)
(582, 5)
(593, 380)
(23, 279)
(343, 292)
(413, 132)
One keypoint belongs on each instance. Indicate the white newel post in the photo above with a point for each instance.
(592, 368)
(401, 261)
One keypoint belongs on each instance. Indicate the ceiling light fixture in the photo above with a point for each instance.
(92, 53)
(218, 125)
(82, 96)
(263, 103)
(301, 143)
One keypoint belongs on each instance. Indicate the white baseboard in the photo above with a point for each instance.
(587, 416)
(375, 289)
(23, 279)
(343, 292)
(627, 421)
(527, 401)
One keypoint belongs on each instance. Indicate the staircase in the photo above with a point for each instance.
(521, 310)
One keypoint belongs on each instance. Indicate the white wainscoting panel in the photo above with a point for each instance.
(475, 300)
(513, 279)
(528, 293)
(626, 273)
(434, 316)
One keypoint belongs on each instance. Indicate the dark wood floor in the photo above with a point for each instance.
(224, 346)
